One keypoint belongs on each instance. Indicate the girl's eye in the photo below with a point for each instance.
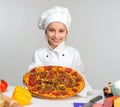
(61, 30)
(51, 30)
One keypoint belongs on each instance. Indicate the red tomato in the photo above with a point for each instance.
(3, 85)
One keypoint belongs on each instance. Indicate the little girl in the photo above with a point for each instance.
(56, 23)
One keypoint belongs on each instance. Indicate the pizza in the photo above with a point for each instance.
(53, 81)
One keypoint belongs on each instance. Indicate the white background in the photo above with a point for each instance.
(94, 32)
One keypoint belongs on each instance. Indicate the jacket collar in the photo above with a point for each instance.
(59, 48)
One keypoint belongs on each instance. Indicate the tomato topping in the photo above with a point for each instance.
(68, 70)
(33, 70)
(74, 89)
(56, 93)
(31, 82)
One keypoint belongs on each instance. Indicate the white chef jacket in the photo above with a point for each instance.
(62, 55)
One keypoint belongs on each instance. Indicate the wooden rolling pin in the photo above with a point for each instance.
(9, 102)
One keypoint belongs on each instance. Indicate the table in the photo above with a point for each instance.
(68, 102)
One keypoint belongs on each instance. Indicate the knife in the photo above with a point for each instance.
(92, 101)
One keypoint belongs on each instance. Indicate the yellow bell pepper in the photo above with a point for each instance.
(22, 95)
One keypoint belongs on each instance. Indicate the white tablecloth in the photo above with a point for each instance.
(68, 102)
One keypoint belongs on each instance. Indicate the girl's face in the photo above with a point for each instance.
(56, 33)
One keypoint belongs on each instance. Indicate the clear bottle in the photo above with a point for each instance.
(1, 97)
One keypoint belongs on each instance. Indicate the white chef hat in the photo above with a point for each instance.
(56, 14)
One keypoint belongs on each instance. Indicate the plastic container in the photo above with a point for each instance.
(116, 88)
